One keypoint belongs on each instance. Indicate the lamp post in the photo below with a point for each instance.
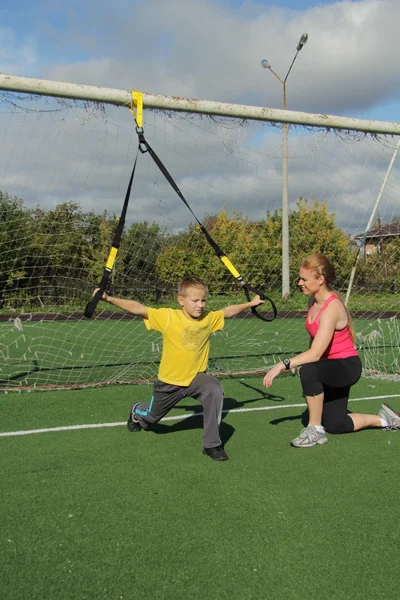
(285, 201)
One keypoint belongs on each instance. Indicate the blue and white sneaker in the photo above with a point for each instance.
(133, 424)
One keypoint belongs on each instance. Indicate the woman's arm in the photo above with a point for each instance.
(327, 326)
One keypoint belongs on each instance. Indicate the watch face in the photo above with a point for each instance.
(286, 362)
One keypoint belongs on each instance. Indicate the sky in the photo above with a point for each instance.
(213, 51)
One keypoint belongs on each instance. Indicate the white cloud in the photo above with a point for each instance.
(201, 49)
(205, 50)
(58, 156)
(17, 53)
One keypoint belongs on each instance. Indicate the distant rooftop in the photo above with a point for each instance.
(392, 229)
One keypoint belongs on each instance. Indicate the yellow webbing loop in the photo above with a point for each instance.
(230, 266)
(137, 101)
(111, 258)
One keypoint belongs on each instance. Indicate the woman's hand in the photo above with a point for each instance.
(272, 373)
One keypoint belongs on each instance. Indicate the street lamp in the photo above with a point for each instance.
(285, 202)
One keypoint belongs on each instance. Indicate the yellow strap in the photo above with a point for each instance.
(111, 258)
(137, 101)
(230, 266)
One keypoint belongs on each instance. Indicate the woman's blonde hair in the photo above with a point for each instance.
(321, 265)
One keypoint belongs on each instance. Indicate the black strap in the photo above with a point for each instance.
(91, 306)
(144, 147)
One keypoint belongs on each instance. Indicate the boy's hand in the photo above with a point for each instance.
(104, 296)
(256, 301)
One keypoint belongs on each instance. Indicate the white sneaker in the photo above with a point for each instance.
(390, 416)
(309, 437)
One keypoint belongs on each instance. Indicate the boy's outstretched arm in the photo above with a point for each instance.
(130, 306)
(235, 309)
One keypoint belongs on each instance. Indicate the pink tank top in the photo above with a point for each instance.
(341, 346)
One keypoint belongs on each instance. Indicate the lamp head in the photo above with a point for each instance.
(265, 64)
(302, 42)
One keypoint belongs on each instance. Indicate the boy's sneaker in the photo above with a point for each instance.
(390, 416)
(133, 424)
(216, 453)
(309, 437)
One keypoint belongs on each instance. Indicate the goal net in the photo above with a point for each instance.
(64, 171)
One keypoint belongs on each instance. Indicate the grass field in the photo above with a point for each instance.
(91, 511)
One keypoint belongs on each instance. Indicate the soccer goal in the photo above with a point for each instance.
(67, 154)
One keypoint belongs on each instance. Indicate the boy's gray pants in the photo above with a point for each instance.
(203, 387)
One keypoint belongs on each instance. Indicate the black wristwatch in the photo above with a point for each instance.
(286, 362)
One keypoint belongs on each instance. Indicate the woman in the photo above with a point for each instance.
(331, 365)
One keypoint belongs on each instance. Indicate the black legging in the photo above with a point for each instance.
(333, 378)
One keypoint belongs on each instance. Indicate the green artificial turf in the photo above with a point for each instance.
(107, 514)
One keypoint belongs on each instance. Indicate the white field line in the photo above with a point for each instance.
(177, 417)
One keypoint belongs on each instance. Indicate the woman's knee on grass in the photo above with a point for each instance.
(338, 425)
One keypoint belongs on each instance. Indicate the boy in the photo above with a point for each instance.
(186, 343)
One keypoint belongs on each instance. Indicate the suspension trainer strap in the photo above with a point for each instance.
(136, 109)
(144, 147)
(91, 306)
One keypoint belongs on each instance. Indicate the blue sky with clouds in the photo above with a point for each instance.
(212, 50)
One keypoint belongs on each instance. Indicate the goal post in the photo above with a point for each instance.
(67, 153)
(27, 85)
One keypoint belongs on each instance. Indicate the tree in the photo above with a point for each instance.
(98, 233)
(15, 228)
(255, 247)
(190, 253)
(313, 230)
(66, 252)
(140, 247)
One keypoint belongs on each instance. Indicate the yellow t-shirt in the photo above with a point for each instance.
(186, 342)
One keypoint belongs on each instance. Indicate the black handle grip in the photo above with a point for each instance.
(263, 297)
(91, 306)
